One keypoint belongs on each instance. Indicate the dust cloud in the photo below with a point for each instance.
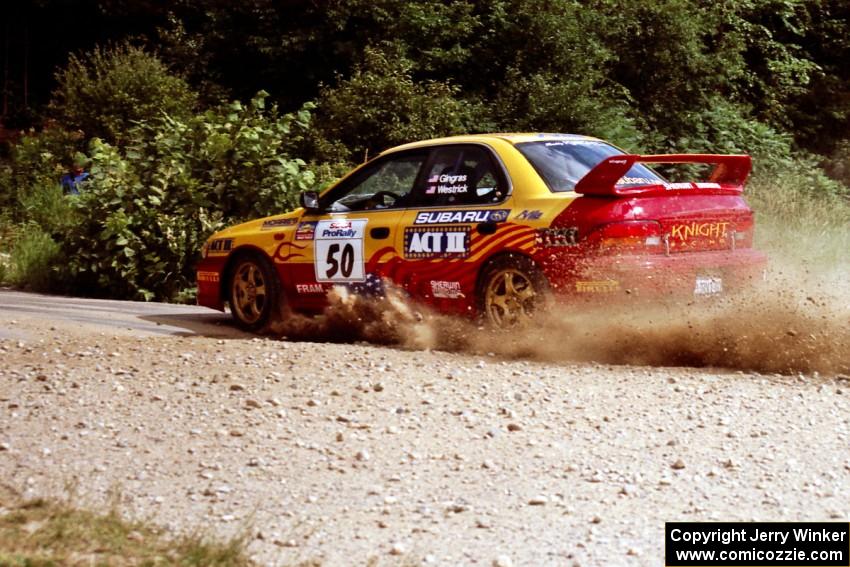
(797, 321)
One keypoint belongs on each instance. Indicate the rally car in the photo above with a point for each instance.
(489, 226)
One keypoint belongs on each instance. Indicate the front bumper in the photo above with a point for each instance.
(209, 273)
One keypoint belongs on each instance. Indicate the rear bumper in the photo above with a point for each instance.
(652, 276)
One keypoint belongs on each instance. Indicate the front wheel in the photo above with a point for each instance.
(512, 291)
(254, 293)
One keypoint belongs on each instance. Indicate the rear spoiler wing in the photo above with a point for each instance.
(729, 174)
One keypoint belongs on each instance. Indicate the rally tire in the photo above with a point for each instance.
(512, 291)
(253, 293)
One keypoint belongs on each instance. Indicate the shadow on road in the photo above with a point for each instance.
(212, 325)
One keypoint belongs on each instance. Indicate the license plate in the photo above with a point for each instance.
(708, 285)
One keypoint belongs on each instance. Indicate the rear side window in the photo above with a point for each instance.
(563, 163)
(461, 175)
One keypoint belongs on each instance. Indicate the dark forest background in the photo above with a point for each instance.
(191, 115)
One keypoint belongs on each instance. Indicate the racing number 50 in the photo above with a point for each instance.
(345, 264)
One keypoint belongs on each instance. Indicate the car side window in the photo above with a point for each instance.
(385, 184)
(461, 175)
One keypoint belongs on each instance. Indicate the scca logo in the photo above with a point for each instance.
(340, 225)
(448, 242)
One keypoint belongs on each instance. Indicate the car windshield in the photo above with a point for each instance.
(562, 163)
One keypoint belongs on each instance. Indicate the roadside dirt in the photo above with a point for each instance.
(505, 450)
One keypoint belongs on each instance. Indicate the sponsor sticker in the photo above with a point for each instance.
(625, 180)
(529, 215)
(462, 217)
(676, 186)
(688, 231)
(575, 143)
(220, 246)
(602, 286)
(446, 184)
(306, 230)
(446, 290)
(442, 242)
(211, 277)
(277, 223)
(338, 256)
(310, 288)
(708, 285)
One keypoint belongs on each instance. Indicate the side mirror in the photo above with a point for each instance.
(310, 201)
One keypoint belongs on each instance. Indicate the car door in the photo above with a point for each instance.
(352, 240)
(458, 208)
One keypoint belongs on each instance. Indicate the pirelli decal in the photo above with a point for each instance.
(211, 277)
(601, 286)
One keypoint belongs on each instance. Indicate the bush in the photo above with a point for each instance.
(39, 160)
(147, 210)
(381, 105)
(34, 260)
(105, 92)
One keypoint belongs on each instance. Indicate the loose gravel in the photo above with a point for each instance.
(346, 453)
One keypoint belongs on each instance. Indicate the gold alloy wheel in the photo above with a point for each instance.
(509, 298)
(248, 292)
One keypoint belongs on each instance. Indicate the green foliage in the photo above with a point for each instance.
(48, 207)
(391, 108)
(108, 90)
(147, 210)
(38, 160)
(34, 261)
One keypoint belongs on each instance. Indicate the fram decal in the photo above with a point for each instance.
(529, 215)
(310, 288)
(705, 229)
(465, 217)
(306, 230)
(277, 223)
(446, 290)
(445, 242)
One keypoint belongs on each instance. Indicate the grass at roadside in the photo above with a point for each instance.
(799, 222)
(39, 533)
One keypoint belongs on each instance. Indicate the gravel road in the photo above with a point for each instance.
(351, 453)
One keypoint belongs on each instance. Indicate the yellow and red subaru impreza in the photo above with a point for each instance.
(489, 225)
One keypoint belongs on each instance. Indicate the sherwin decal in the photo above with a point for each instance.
(465, 217)
(445, 242)
(339, 250)
(446, 290)
(277, 223)
(306, 230)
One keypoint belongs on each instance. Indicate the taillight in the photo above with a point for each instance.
(629, 236)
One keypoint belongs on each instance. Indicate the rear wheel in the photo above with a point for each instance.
(512, 291)
(254, 293)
